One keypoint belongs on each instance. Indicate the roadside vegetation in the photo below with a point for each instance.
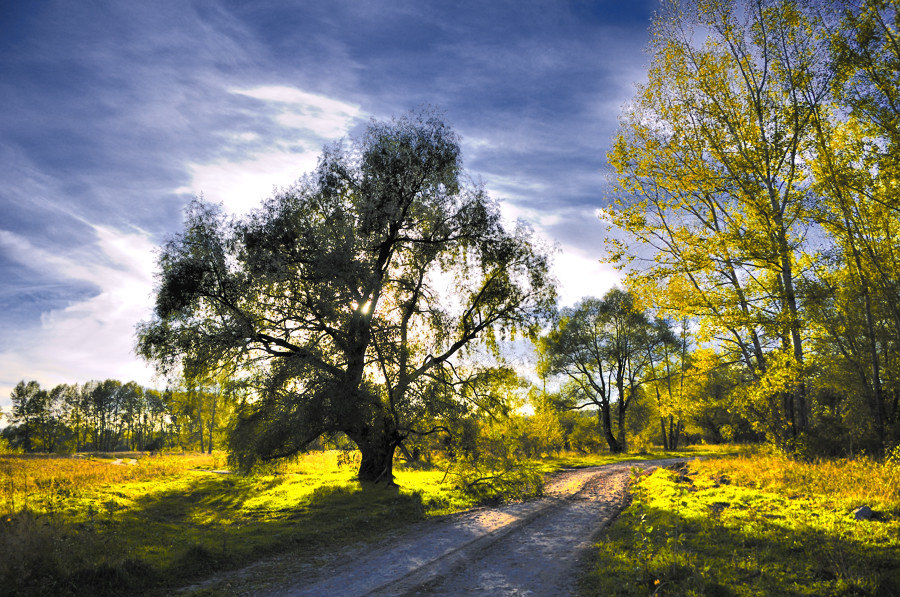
(88, 526)
(84, 525)
(756, 524)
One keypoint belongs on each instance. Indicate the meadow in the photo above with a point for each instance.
(757, 524)
(108, 523)
(727, 524)
(86, 525)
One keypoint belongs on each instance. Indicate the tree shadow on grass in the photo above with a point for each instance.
(651, 551)
(168, 538)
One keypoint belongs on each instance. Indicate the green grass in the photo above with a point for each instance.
(87, 526)
(84, 525)
(760, 525)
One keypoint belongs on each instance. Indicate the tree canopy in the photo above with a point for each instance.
(757, 171)
(605, 347)
(348, 299)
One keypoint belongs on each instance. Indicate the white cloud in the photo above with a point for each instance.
(580, 275)
(541, 220)
(323, 116)
(307, 120)
(93, 338)
(241, 185)
(603, 214)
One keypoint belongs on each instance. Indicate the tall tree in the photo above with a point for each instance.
(78, 407)
(350, 296)
(29, 402)
(857, 169)
(104, 405)
(865, 50)
(714, 177)
(55, 418)
(154, 421)
(666, 360)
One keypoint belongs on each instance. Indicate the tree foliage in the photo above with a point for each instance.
(757, 170)
(112, 416)
(605, 348)
(348, 298)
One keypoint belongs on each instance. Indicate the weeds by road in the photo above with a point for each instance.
(87, 525)
(761, 525)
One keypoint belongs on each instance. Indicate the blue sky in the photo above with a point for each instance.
(114, 114)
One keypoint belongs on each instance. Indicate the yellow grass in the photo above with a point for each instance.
(25, 480)
(845, 483)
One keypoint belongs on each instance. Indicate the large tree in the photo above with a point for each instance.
(29, 403)
(856, 173)
(715, 179)
(349, 298)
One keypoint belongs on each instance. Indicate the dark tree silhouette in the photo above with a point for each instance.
(350, 296)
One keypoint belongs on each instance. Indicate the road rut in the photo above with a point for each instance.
(528, 548)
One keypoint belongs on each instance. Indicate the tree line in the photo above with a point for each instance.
(757, 200)
(107, 416)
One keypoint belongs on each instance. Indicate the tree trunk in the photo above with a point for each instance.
(799, 405)
(877, 392)
(212, 422)
(620, 413)
(26, 442)
(606, 428)
(377, 464)
(377, 449)
(674, 432)
(665, 437)
(198, 397)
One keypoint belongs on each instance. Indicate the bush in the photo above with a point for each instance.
(6, 448)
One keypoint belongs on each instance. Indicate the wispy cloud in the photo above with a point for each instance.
(324, 117)
(243, 183)
(91, 338)
(255, 160)
(578, 270)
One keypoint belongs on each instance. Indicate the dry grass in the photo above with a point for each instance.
(88, 526)
(32, 481)
(755, 525)
(843, 483)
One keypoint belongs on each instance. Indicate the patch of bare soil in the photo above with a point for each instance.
(528, 548)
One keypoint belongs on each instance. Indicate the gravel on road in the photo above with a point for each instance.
(527, 548)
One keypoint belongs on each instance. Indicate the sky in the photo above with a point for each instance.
(116, 113)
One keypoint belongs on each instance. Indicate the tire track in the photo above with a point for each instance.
(529, 548)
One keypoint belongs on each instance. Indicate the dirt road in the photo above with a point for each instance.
(528, 548)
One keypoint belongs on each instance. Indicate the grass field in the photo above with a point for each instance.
(755, 525)
(85, 525)
(151, 523)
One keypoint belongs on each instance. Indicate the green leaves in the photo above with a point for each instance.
(335, 296)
